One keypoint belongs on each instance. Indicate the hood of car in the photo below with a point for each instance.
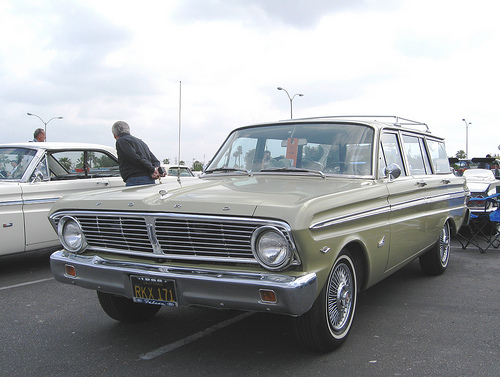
(260, 196)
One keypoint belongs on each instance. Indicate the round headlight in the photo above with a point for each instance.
(71, 234)
(271, 248)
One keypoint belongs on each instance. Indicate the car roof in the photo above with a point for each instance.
(59, 146)
(375, 121)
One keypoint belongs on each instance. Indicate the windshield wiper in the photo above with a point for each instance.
(228, 170)
(300, 170)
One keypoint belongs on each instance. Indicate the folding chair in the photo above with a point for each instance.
(482, 230)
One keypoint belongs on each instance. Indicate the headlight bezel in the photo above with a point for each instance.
(79, 244)
(284, 258)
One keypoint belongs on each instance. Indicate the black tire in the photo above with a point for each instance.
(125, 310)
(435, 261)
(327, 324)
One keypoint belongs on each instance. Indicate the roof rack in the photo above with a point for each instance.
(398, 121)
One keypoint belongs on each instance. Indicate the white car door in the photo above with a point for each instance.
(69, 172)
(11, 219)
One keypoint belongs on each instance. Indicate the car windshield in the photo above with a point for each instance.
(14, 162)
(331, 148)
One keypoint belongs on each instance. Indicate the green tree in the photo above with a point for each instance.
(166, 161)
(66, 163)
(460, 154)
(197, 166)
(237, 156)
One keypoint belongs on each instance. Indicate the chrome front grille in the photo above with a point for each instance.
(205, 237)
(171, 236)
(116, 232)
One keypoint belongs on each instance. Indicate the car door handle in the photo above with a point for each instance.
(446, 181)
(421, 183)
(105, 183)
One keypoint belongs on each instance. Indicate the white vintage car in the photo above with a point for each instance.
(481, 183)
(35, 175)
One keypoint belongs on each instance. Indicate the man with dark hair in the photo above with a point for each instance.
(138, 166)
(39, 135)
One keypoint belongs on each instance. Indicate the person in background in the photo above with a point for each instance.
(39, 135)
(138, 166)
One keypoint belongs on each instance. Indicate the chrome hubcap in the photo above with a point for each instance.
(340, 297)
(444, 250)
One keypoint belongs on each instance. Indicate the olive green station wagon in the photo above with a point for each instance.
(292, 217)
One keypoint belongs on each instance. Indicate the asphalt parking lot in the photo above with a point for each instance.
(407, 325)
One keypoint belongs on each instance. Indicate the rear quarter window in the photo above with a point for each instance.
(437, 152)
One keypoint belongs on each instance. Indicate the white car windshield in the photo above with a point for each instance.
(330, 148)
(14, 162)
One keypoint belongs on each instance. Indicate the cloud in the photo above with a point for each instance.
(300, 14)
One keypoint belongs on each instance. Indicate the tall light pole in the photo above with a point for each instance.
(466, 138)
(44, 123)
(291, 99)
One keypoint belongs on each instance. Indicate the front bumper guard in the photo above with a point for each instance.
(195, 286)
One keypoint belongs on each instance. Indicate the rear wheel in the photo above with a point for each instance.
(124, 309)
(327, 324)
(435, 261)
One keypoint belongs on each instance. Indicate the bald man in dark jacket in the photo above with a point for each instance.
(138, 165)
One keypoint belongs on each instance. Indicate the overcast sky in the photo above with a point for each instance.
(97, 61)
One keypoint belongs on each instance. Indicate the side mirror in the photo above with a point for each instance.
(393, 171)
(37, 177)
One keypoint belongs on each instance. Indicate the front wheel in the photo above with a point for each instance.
(327, 324)
(124, 309)
(435, 261)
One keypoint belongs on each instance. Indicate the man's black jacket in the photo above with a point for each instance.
(135, 158)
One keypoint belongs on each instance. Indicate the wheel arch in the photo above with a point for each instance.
(360, 259)
(453, 225)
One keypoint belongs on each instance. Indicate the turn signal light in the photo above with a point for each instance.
(70, 270)
(268, 296)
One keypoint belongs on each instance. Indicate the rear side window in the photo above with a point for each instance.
(416, 155)
(439, 159)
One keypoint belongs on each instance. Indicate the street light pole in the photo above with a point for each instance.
(44, 123)
(466, 138)
(291, 99)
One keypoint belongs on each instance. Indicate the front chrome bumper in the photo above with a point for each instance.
(195, 286)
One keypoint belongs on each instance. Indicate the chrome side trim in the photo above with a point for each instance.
(346, 218)
(390, 208)
(28, 202)
(11, 203)
(42, 201)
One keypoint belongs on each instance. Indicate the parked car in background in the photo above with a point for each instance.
(175, 170)
(292, 217)
(33, 176)
(481, 183)
(488, 163)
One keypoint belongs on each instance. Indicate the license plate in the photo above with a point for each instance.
(152, 290)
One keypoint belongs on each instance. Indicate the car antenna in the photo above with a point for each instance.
(179, 156)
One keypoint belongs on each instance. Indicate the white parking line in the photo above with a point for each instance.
(172, 346)
(23, 284)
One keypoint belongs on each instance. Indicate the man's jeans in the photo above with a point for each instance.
(137, 181)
